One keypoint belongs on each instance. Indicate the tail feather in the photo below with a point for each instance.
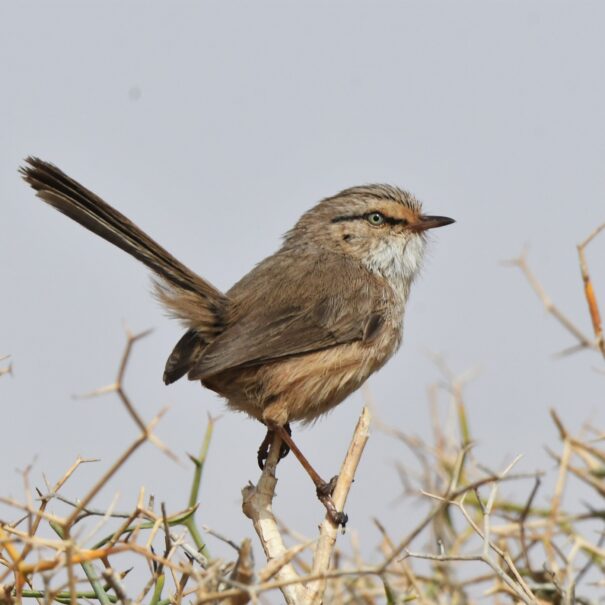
(189, 297)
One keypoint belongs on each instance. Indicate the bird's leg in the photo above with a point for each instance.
(263, 450)
(323, 489)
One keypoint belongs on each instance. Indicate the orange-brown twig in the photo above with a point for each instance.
(591, 299)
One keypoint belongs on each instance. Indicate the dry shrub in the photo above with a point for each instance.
(485, 542)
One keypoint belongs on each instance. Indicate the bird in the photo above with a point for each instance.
(305, 327)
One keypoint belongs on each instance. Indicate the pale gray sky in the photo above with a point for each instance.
(214, 125)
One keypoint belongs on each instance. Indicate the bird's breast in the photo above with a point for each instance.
(301, 388)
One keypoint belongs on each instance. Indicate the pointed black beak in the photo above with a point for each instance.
(432, 222)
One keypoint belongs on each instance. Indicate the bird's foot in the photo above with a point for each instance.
(284, 450)
(324, 494)
(263, 450)
(327, 489)
(323, 489)
(339, 518)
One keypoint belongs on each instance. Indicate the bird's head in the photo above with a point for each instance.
(381, 226)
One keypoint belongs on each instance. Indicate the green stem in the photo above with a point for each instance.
(63, 596)
(97, 587)
(157, 592)
(89, 570)
(178, 519)
(197, 537)
(198, 464)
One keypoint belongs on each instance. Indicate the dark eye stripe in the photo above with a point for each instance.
(363, 217)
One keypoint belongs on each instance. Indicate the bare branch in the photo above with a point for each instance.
(591, 299)
(257, 506)
(328, 530)
(584, 341)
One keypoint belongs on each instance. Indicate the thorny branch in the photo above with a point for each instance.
(584, 341)
(530, 553)
(257, 505)
(591, 298)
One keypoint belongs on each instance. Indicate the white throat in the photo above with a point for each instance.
(398, 261)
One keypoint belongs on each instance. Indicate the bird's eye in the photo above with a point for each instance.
(375, 218)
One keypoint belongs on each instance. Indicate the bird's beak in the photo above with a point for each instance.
(432, 222)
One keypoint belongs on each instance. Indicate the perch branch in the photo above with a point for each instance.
(257, 502)
(257, 506)
(328, 530)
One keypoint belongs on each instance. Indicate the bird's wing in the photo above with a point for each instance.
(292, 312)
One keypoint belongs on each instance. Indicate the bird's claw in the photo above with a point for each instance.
(284, 450)
(340, 519)
(324, 493)
(263, 450)
(325, 490)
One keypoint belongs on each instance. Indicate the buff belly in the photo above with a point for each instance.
(302, 388)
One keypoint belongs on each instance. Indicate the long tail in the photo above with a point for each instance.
(189, 297)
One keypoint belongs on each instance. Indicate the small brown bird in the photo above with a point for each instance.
(306, 327)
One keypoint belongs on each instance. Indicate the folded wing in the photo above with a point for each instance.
(289, 314)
